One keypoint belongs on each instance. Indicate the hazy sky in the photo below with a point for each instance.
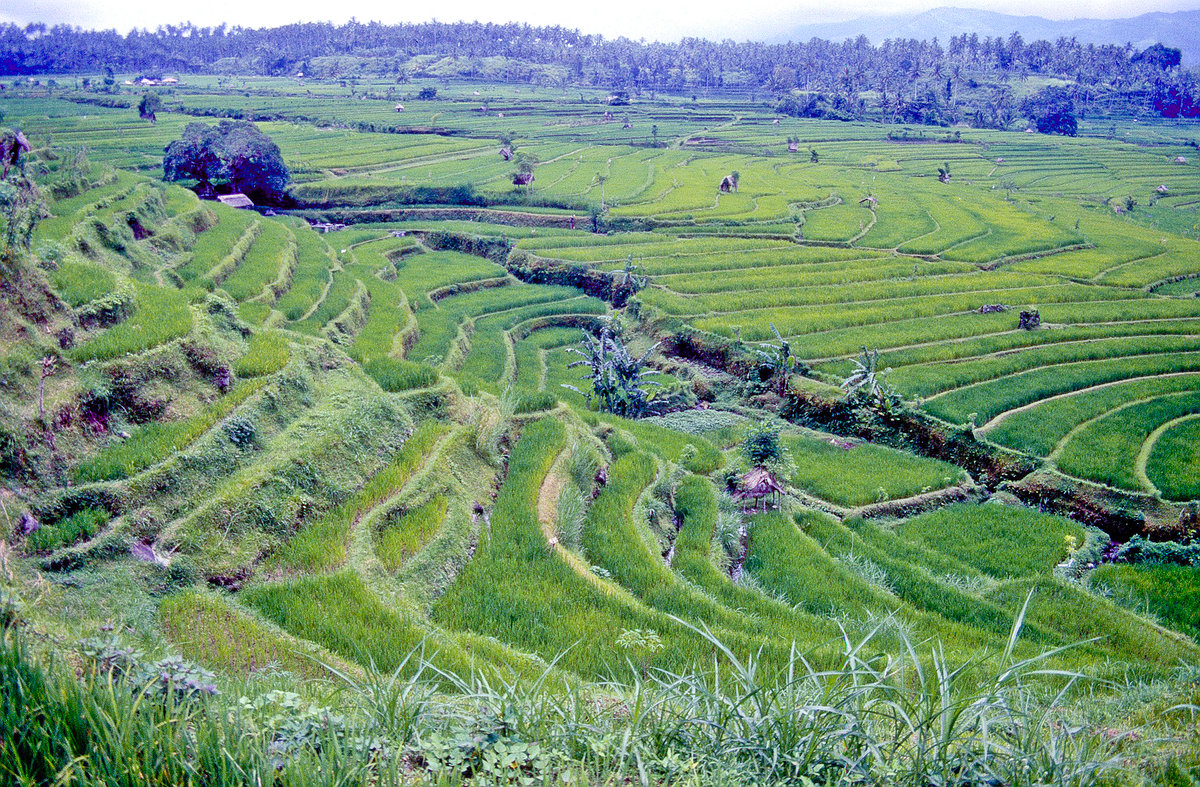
(635, 18)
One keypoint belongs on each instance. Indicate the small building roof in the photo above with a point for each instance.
(238, 200)
(756, 483)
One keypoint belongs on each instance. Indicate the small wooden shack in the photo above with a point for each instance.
(1162, 189)
(399, 107)
(728, 184)
(237, 200)
(869, 201)
(506, 153)
(760, 487)
(793, 147)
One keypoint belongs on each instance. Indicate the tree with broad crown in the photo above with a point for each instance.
(236, 152)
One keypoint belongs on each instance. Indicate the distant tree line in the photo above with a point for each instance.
(910, 81)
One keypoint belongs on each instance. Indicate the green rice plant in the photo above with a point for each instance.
(518, 590)
(339, 612)
(1001, 541)
(1080, 615)
(667, 443)
(914, 583)
(387, 316)
(1173, 459)
(321, 545)
(210, 630)
(1169, 594)
(155, 442)
(80, 282)
(862, 473)
(337, 300)
(696, 506)
(1107, 449)
(928, 379)
(80, 526)
(213, 245)
(396, 374)
(989, 399)
(403, 535)
(313, 262)
(269, 352)
(161, 314)
(612, 541)
(273, 250)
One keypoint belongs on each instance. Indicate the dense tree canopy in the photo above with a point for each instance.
(964, 80)
(1052, 110)
(234, 152)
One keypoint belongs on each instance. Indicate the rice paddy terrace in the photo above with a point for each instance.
(269, 444)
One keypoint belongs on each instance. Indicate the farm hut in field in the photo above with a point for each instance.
(399, 107)
(1181, 159)
(238, 200)
(506, 153)
(170, 81)
(760, 487)
(869, 201)
(1162, 189)
(775, 122)
(728, 184)
(522, 179)
(793, 147)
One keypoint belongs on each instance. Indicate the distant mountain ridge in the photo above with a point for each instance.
(1180, 29)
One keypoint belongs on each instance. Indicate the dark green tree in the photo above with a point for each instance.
(235, 152)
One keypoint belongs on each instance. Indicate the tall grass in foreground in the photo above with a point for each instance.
(908, 720)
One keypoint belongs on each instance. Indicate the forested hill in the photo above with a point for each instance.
(838, 78)
(1180, 29)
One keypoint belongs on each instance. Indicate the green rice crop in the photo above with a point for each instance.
(313, 262)
(212, 631)
(321, 545)
(272, 249)
(991, 398)
(157, 441)
(161, 314)
(1040, 428)
(396, 374)
(1173, 459)
(1107, 449)
(670, 444)
(403, 536)
(864, 473)
(79, 282)
(217, 241)
(1171, 594)
(1002, 541)
(915, 584)
(269, 351)
(339, 612)
(80, 526)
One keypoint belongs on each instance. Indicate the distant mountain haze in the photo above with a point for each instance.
(1180, 29)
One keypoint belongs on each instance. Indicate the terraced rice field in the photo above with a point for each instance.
(365, 433)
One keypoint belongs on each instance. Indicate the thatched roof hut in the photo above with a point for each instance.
(399, 107)
(759, 486)
(1162, 189)
(238, 200)
(506, 153)
(728, 184)
(1181, 159)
